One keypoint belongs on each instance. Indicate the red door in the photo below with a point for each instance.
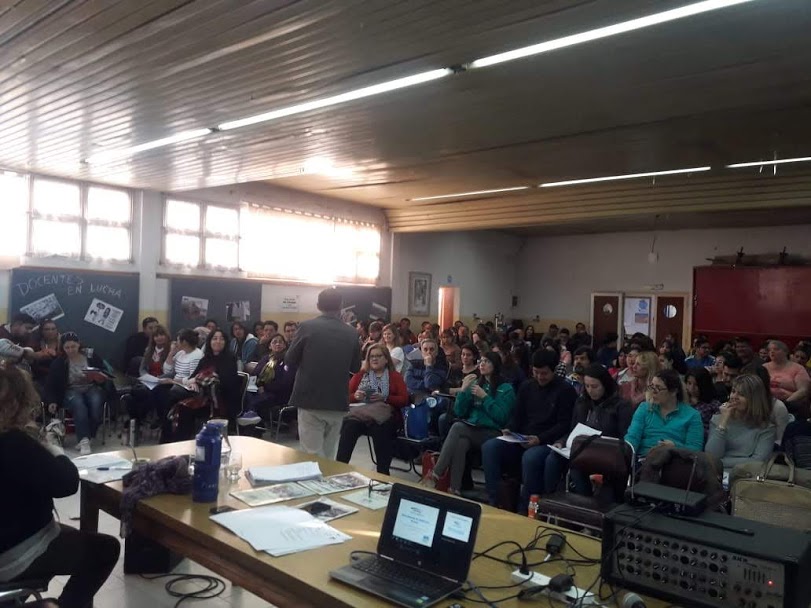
(605, 317)
(669, 317)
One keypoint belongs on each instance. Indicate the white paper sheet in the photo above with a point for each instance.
(103, 459)
(580, 429)
(149, 381)
(298, 471)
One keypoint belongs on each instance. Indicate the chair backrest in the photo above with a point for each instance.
(244, 378)
(598, 455)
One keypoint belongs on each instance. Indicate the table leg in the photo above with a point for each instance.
(88, 508)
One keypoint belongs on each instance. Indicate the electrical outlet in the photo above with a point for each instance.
(536, 579)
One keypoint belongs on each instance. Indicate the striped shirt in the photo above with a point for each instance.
(184, 364)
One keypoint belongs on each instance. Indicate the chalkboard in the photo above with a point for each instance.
(192, 301)
(366, 303)
(101, 307)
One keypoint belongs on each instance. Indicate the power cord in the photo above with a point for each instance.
(214, 586)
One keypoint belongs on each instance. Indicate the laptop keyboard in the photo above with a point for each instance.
(421, 582)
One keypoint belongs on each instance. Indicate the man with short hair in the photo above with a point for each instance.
(543, 413)
(551, 333)
(325, 352)
(702, 356)
(211, 325)
(290, 328)
(581, 337)
(406, 335)
(428, 370)
(583, 357)
(136, 344)
(13, 339)
(745, 352)
(732, 369)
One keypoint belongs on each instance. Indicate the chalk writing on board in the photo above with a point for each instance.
(106, 290)
(50, 280)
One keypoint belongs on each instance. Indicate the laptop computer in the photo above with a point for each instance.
(424, 551)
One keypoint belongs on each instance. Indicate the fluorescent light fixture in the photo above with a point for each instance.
(474, 193)
(111, 155)
(376, 89)
(606, 32)
(782, 161)
(612, 178)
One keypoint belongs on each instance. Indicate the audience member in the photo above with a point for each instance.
(262, 346)
(325, 351)
(46, 349)
(532, 339)
(608, 351)
(510, 370)
(619, 365)
(780, 417)
(14, 338)
(789, 381)
(215, 377)
(390, 338)
(428, 371)
(483, 406)
(551, 346)
(33, 546)
(71, 386)
(626, 375)
(763, 352)
(565, 349)
(136, 344)
(717, 371)
(406, 335)
(383, 392)
(542, 413)
(665, 360)
(665, 419)
(583, 357)
(180, 363)
(741, 432)
(374, 337)
(732, 369)
(469, 356)
(211, 325)
(463, 334)
(274, 382)
(242, 344)
(451, 348)
(645, 368)
(800, 357)
(581, 337)
(551, 333)
(257, 329)
(601, 408)
(702, 356)
(290, 329)
(743, 348)
(701, 395)
(141, 400)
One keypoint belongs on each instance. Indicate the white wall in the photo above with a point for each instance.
(558, 274)
(482, 264)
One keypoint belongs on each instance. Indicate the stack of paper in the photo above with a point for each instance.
(266, 496)
(580, 429)
(102, 468)
(280, 530)
(298, 471)
(149, 381)
(336, 483)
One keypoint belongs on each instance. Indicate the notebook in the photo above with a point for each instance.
(424, 551)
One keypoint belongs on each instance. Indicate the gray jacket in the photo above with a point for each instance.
(325, 351)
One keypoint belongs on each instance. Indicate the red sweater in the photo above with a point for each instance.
(398, 393)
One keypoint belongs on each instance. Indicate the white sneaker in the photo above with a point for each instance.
(84, 447)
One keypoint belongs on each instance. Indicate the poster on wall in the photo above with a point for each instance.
(46, 307)
(104, 315)
(637, 316)
(238, 311)
(289, 304)
(194, 309)
(419, 293)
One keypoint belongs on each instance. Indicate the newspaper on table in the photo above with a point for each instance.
(370, 499)
(272, 494)
(336, 483)
(334, 511)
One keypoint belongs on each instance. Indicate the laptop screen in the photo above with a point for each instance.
(430, 531)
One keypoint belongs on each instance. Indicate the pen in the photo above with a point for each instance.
(113, 468)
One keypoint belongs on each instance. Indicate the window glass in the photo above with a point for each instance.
(54, 198)
(56, 238)
(222, 220)
(222, 253)
(183, 249)
(181, 215)
(108, 242)
(109, 205)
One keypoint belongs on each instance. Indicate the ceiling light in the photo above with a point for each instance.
(474, 193)
(610, 178)
(782, 161)
(606, 32)
(376, 89)
(110, 155)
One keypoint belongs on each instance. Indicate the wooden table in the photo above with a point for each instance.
(302, 579)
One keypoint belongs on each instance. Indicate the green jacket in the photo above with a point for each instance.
(490, 412)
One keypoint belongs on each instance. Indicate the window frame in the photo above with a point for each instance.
(82, 220)
(202, 234)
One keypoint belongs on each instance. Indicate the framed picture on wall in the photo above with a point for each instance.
(419, 293)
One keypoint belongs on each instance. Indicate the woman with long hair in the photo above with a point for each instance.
(71, 385)
(469, 357)
(665, 418)
(451, 348)
(390, 338)
(274, 381)
(378, 394)
(483, 406)
(742, 432)
(242, 343)
(33, 546)
(701, 394)
(141, 400)
(646, 365)
(789, 381)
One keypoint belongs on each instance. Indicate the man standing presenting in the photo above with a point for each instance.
(325, 351)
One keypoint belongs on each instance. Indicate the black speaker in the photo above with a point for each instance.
(145, 556)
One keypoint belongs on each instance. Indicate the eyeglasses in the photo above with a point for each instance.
(656, 389)
(378, 486)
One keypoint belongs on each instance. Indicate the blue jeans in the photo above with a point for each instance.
(556, 466)
(86, 407)
(499, 457)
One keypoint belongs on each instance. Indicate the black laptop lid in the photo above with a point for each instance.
(430, 531)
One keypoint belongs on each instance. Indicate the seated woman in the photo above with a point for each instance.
(384, 393)
(742, 432)
(33, 546)
(701, 395)
(665, 419)
(780, 417)
(242, 344)
(645, 367)
(469, 356)
(789, 381)
(451, 348)
(620, 364)
(601, 408)
(180, 363)
(215, 378)
(274, 379)
(141, 399)
(390, 338)
(510, 369)
(625, 374)
(552, 346)
(70, 386)
(484, 405)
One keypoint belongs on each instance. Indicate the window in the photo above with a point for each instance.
(327, 249)
(201, 235)
(43, 216)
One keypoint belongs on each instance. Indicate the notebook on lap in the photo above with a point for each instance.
(424, 551)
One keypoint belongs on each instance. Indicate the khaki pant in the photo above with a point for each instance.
(319, 431)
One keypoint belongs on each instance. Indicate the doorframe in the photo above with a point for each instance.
(457, 306)
(687, 317)
(620, 302)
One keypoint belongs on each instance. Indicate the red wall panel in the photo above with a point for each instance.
(772, 302)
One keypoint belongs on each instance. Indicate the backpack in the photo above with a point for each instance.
(417, 417)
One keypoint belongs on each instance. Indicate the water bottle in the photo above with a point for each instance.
(207, 455)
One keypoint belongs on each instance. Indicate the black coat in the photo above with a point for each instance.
(225, 366)
(612, 416)
(56, 385)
